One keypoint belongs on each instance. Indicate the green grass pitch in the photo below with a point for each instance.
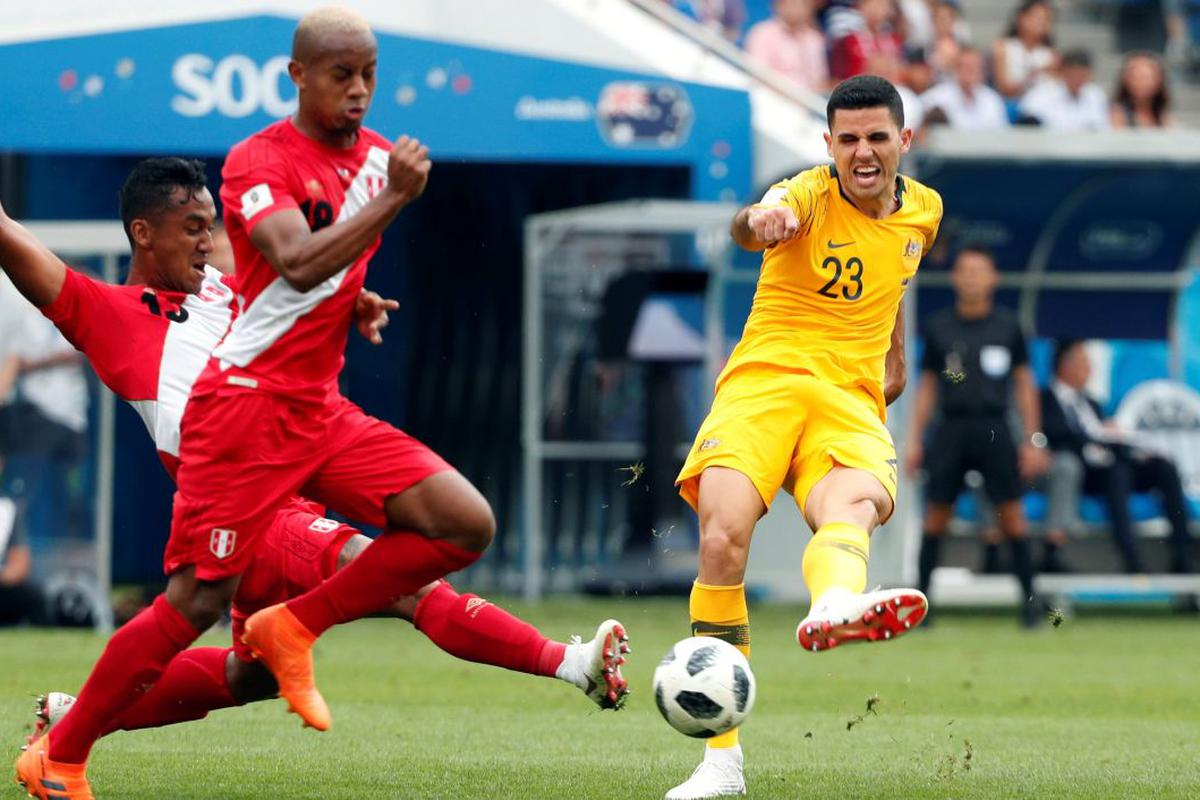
(1101, 707)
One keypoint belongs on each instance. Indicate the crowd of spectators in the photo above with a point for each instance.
(927, 48)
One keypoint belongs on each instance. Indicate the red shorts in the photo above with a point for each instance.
(300, 550)
(244, 453)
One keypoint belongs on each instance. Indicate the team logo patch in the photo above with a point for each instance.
(323, 525)
(221, 542)
(912, 249)
(709, 444)
(474, 605)
(256, 199)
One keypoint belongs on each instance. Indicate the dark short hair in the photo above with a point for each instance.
(1061, 348)
(979, 249)
(148, 189)
(865, 91)
(1077, 57)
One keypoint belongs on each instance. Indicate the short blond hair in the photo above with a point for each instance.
(314, 28)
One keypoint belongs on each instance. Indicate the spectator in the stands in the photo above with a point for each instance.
(725, 17)
(877, 37)
(950, 34)
(968, 103)
(839, 18)
(790, 43)
(1142, 25)
(1071, 102)
(1026, 54)
(917, 16)
(1141, 99)
(1116, 464)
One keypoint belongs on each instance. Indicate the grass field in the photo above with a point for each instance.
(1101, 707)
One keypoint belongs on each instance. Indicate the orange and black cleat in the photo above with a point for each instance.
(49, 780)
(282, 642)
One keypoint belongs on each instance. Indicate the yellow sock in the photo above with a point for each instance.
(720, 612)
(836, 557)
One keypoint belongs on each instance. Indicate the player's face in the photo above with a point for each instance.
(180, 241)
(336, 87)
(865, 145)
(973, 277)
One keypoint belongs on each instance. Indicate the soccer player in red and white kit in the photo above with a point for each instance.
(148, 340)
(305, 203)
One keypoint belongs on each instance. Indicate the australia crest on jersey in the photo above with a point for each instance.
(221, 542)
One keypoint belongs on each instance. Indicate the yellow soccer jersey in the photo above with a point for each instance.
(826, 300)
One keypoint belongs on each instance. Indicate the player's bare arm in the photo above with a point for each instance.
(756, 228)
(371, 315)
(895, 366)
(306, 259)
(34, 270)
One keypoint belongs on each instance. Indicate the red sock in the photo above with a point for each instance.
(396, 565)
(471, 628)
(132, 662)
(192, 685)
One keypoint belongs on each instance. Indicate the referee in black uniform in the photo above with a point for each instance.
(975, 364)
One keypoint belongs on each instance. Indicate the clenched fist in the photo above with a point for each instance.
(772, 225)
(408, 168)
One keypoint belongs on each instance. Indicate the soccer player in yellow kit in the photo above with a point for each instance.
(801, 403)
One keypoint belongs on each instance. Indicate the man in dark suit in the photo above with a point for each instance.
(1114, 465)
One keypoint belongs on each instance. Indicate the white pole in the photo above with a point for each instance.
(532, 420)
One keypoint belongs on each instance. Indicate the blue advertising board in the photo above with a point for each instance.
(199, 88)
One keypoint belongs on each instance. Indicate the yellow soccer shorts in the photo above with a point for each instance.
(788, 429)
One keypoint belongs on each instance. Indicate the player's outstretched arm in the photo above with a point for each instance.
(306, 259)
(34, 270)
(755, 228)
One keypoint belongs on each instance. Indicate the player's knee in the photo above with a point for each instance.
(723, 544)
(476, 526)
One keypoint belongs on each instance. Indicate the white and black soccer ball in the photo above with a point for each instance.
(704, 687)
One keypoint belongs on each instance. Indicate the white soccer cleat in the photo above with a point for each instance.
(719, 775)
(48, 710)
(841, 616)
(595, 666)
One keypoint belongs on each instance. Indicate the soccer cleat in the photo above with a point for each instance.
(595, 666)
(841, 616)
(282, 642)
(48, 780)
(719, 775)
(48, 709)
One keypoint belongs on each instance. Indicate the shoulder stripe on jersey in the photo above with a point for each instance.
(277, 308)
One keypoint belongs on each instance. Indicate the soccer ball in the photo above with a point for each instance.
(704, 687)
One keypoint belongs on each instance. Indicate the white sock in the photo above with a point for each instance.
(733, 754)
